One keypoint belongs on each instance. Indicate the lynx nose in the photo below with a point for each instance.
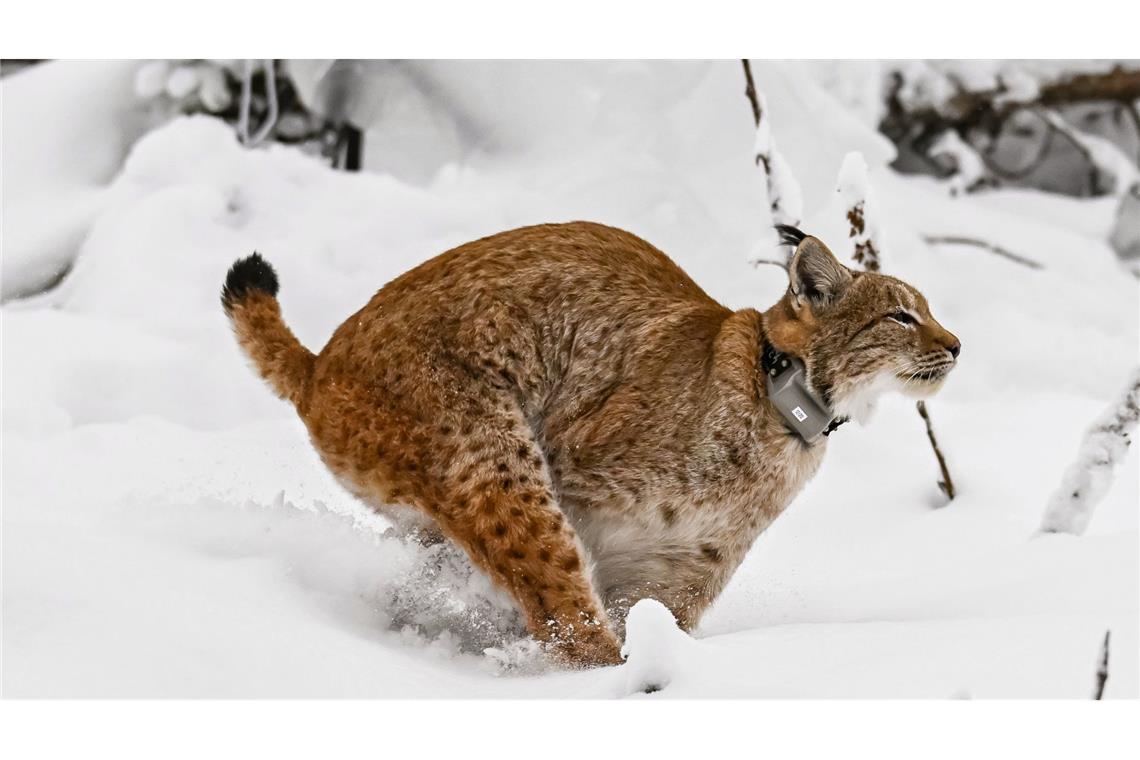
(955, 348)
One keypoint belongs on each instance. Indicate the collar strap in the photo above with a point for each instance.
(803, 412)
(770, 358)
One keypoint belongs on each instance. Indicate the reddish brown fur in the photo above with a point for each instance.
(564, 403)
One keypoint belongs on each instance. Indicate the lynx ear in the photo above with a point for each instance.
(816, 275)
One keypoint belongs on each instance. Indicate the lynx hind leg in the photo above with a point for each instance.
(501, 510)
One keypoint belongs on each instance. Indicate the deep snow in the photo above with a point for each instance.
(167, 531)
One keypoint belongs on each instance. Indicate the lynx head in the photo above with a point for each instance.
(858, 333)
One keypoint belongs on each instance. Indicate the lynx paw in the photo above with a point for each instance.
(588, 645)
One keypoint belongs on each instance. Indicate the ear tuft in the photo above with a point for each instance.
(816, 274)
(790, 235)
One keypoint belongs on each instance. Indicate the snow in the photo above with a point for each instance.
(150, 78)
(1019, 86)
(969, 169)
(57, 153)
(183, 81)
(655, 647)
(168, 530)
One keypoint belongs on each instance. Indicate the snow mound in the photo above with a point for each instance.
(655, 648)
(67, 126)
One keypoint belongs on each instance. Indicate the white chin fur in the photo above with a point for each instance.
(921, 390)
(858, 403)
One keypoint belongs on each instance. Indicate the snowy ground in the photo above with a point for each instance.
(167, 531)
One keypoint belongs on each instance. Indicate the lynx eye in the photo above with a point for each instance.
(902, 317)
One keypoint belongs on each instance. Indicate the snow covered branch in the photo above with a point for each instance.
(1088, 479)
(785, 198)
(859, 201)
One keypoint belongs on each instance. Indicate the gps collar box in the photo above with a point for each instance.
(805, 414)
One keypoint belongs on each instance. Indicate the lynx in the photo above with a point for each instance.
(564, 403)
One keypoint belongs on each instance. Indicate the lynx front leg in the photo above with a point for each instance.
(501, 509)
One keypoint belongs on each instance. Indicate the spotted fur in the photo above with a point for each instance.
(564, 403)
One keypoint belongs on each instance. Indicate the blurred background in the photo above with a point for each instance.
(1068, 127)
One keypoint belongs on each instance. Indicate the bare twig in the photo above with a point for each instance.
(750, 91)
(996, 249)
(1102, 668)
(946, 484)
(772, 262)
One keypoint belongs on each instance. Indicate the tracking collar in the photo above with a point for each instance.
(803, 412)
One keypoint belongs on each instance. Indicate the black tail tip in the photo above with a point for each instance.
(247, 275)
(790, 235)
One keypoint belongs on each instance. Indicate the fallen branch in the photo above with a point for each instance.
(1118, 84)
(987, 109)
(946, 484)
(1102, 668)
(980, 116)
(996, 249)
